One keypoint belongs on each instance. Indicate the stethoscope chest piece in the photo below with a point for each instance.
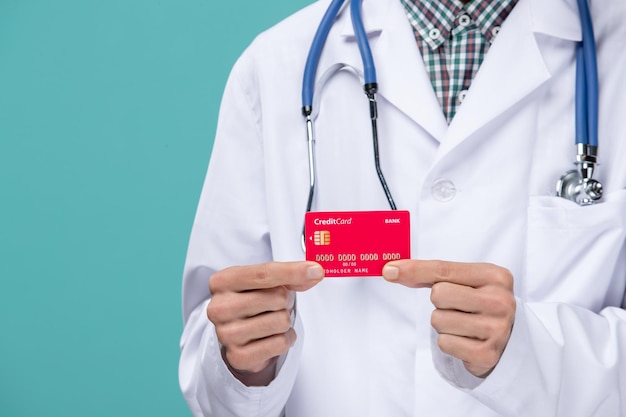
(578, 185)
(573, 187)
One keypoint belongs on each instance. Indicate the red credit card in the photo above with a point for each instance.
(357, 243)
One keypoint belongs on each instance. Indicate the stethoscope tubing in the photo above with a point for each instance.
(579, 187)
(370, 87)
(313, 58)
(586, 81)
(369, 69)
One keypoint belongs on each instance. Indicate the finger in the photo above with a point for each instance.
(449, 296)
(255, 356)
(242, 332)
(473, 326)
(298, 276)
(491, 301)
(478, 356)
(419, 274)
(229, 306)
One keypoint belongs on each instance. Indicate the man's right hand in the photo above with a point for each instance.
(251, 308)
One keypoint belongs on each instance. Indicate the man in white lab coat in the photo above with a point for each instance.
(512, 303)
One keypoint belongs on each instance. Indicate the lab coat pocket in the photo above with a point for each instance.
(573, 252)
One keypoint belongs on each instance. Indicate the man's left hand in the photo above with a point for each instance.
(475, 307)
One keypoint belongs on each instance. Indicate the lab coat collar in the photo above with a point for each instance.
(374, 16)
(402, 78)
(514, 69)
(557, 18)
(515, 65)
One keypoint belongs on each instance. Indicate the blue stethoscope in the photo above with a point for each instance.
(577, 185)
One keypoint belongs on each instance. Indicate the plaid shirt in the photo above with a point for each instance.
(453, 39)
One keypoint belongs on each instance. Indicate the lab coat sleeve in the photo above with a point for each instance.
(561, 360)
(230, 228)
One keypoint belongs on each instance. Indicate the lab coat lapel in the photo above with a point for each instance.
(402, 78)
(514, 66)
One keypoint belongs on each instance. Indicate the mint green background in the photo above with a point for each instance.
(107, 113)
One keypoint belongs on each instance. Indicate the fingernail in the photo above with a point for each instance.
(315, 272)
(390, 273)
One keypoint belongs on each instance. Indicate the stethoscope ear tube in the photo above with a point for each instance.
(310, 68)
(369, 69)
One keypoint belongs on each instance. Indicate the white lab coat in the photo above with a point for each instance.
(365, 346)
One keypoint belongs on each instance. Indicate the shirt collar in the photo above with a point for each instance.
(438, 18)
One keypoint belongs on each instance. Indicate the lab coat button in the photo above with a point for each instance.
(443, 190)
